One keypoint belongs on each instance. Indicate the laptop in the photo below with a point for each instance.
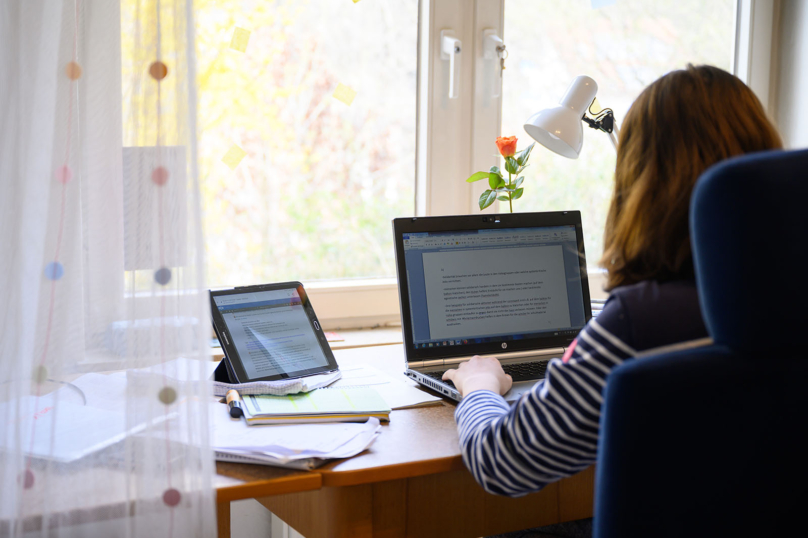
(513, 286)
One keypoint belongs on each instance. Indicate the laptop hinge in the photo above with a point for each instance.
(415, 364)
(436, 362)
(533, 354)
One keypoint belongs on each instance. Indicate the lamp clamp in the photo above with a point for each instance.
(603, 122)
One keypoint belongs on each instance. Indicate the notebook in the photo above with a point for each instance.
(350, 404)
(513, 286)
(306, 464)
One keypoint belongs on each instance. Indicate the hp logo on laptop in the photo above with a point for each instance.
(504, 345)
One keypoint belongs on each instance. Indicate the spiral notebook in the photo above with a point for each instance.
(306, 464)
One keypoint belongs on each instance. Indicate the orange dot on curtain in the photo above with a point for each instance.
(73, 71)
(158, 70)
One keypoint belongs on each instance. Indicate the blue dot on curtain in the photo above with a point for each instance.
(54, 271)
(162, 276)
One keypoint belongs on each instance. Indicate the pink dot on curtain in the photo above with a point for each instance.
(158, 70)
(172, 497)
(64, 174)
(73, 71)
(159, 176)
(27, 479)
(54, 271)
(162, 276)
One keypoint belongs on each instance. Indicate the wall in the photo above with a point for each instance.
(791, 78)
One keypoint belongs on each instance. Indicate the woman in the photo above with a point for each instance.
(680, 125)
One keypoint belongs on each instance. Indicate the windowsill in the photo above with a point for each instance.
(350, 339)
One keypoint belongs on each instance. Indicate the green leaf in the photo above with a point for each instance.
(477, 176)
(495, 170)
(495, 180)
(519, 181)
(524, 155)
(503, 198)
(511, 165)
(518, 193)
(487, 198)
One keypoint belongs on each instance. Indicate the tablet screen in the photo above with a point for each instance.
(272, 333)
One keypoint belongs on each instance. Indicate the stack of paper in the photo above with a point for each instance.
(352, 404)
(302, 446)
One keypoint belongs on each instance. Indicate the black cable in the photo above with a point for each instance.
(69, 384)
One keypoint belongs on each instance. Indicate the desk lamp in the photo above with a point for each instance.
(559, 128)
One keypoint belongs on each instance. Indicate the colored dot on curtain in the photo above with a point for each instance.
(158, 70)
(73, 71)
(172, 497)
(54, 271)
(159, 176)
(27, 479)
(167, 395)
(162, 276)
(64, 174)
(40, 374)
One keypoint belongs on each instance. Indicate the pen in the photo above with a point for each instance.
(234, 403)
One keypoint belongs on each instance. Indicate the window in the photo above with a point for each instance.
(314, 195)
(624, 47)
(320, 178)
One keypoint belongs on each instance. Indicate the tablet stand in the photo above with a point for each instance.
(224, 372)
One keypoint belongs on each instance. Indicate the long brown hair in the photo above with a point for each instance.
(680, 125)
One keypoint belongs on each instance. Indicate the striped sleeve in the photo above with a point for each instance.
(552, 431)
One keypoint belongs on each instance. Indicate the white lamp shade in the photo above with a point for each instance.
(560, 129)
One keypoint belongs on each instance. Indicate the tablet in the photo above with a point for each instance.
(270, 332)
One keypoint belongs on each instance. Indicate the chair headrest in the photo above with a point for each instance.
(749, 233)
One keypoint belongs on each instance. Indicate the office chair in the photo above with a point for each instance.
(713, 441)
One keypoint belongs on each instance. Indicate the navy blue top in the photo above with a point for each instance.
(649, 314)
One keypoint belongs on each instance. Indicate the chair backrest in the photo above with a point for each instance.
(714, 441)
(749, 233)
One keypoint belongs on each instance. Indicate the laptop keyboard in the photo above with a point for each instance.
(523, 371)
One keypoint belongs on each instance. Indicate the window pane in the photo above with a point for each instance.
(624, 47)
(321, 179)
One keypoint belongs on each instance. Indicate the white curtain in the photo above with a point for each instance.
(101, 273)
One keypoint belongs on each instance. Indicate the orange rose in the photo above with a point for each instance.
(506, 145)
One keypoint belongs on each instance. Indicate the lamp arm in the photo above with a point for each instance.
(614, 135)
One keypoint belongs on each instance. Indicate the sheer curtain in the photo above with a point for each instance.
(104, 323)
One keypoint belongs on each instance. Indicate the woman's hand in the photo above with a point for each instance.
(480, 373)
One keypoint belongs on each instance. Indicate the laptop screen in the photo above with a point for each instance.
(502, 285)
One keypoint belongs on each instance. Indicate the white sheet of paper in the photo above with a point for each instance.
(103, 391)
(63, 430)
(399, 393)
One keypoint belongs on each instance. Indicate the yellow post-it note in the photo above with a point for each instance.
(345, 94)
(240, 39)
(233, 156)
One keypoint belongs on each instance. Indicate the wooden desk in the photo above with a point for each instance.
(410, 483)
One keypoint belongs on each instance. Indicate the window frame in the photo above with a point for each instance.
(454, 137)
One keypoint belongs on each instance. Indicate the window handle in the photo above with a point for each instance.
(494, 54)
(450, 49)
